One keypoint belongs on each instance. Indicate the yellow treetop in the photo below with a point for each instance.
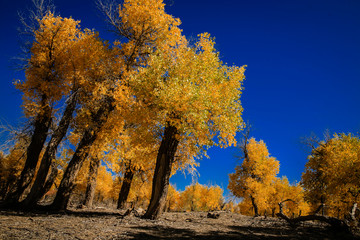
(63, 59)
(184, 86)
(254, 178)
(332, 174)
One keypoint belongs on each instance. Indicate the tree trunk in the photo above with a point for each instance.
(91, 183)
(67, 183)
(82, 151)
(273, 212)
(49, 181)
(39, 184)
(125, 187)
(41, 127)
(256, 210)
(164, 161)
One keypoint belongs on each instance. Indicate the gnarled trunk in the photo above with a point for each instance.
(91, 183)
(164, 161)
(67, 183)
(82, 151)
(256, 210)
(125, 187)
(38, 138)
(38, 188)
(50, 180)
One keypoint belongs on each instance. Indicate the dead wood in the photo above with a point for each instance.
(335, 223)
(213, 215)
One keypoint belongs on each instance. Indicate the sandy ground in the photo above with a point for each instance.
(110, 224)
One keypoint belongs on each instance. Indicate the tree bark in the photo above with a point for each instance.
(67, 183)
(91, 183)
(36, 191)
(41, 127)
(125, 187)
(49, 181)
(164, 161)
(82, 151)
(256, 210)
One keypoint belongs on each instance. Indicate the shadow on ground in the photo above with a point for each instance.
(113, 225)
(45, 213)
(236, 232)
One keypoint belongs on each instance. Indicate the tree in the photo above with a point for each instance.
(49, 77)
(79, 75)
(91, 182)
(253, 179)
(125, 187)
(11, 165)
(150, 78)
(184, 88)
(139, 195)
(290, 195)
(331, 176)
(132, 153)
(146, 26)
(197, 197)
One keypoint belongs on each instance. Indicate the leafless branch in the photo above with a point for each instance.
(13, 135)
(110, 10)
(29, 21)
(244, 141)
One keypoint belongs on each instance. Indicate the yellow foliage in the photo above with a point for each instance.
(254, 178)
(256, 182)
(11, 165)
(104, 183)
(331, 174)
(152, 78)
(197, 197)
(172, 199)
(62, 57)
(140, 191)
(246, 207)
(184, 87)
(148, 17)
(284, 191)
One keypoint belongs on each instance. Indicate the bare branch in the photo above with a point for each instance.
(110, 9)
(29, 24)
(14, 135)
(244, 141)
(311, 141)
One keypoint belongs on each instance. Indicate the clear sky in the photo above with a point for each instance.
(303, 71)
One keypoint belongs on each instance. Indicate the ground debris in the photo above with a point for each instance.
(109, 224)
(213, 215)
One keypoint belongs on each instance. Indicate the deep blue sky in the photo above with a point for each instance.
(303, 71)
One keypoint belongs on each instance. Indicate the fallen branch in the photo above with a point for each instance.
(335, 223)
